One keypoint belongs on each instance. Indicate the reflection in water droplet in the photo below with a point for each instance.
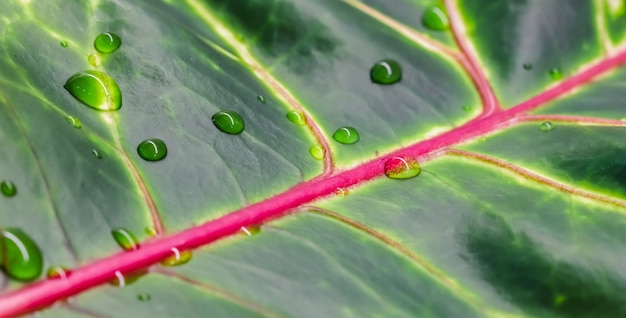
(527, 66)
(8, 189)
(229, 121)
(63, 43)
(107, 42)
(346, 135)
(96, 153)
(144, 297)
(402, 168)
(317, 152)
(178, 257)
(261, 99)
(20, 257)
(297, 118)
(250, 230)
(94, 59)
(152, 149)
(74, 121)
(556, 74)
(341, 192)
(125, 239)
(546, 126)
(95, 89)
(387, 71)
(58, 272)
(435, 18)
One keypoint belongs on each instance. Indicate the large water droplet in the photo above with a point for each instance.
(95, 89)
(556, 74)
(58, 272)
(74, 121)
(229, 121)
(386, 72)
(346, 135)
(250, 230)
(63, 43)
(546, 126)
(152, 149)
(402, 168)
(94, 59)
(125, 239)
(178, 257)
(317, 152)
(107, 42)
(297, 118)
(20, 257)
(8, 188)
(436, 19)
(261, 99)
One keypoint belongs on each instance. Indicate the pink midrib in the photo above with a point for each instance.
(47, 292)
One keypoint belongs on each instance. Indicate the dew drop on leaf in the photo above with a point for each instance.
(261, 99)
(386, 72)
(94, 59)
(341, 192)
(20, 257)
(527, 66)
(317, 152)
(402, 168)
(250, 230)
(96, 153)
(546, 126)
(435, 18)
(229, 121)
(297, 118)
(122, 280)
(107, 42)
(74, 121)
(346, 135)
(144, 297)
(8, 189)
(63, 43)
(125, 239)
(95, 89)
(152, 149)
(58, 272)
(178, 257)
(556, 74)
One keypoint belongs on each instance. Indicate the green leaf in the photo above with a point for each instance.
(482, 174)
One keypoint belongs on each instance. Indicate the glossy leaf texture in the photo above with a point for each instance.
(297, 158)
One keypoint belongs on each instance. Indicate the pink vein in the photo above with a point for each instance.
(473, 67)
(44, 293)
(529, 175)
(569, 119)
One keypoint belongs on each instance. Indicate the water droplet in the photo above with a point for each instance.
(556, 74)
(261, 99)
(402, 168)
(94, 59)
(58, 272)
(317, 152)
(107, 42)
(8, 188)
(74, 121)
(229, 121)
(122, 280)
(144, 297)
(251, 230)
(435, 18)
(546, 126)
(467, 108)
(297, 118)
(152, 149)
(346, 135)
(96, 153)
(63, 43)
(178, 258)
(95, 89)
(20, 257)
(527, 66)
(341, 192)
(125, 239)
(387, 71)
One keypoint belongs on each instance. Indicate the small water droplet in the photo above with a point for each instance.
(107, 42)
(402, 168)
(125, 239)
(144, 297)
(386, 72)
(346, 135)
(63, 43)
(546, 126)
(178, 258)
(435, 18)
(8, 188)
(556, 74)
(94, 59)
(152, 149)
(527, 66)
(229, 121)
(317, 152)
(95, 89)
(74, 121)
(250, 230)
(341, 192)
(297, 118)
(20, 257)
(96, 153)
(467, 108)
(58, 272)
(261, 99)
(122, 280)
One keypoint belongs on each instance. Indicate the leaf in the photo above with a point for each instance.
(514, 115)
